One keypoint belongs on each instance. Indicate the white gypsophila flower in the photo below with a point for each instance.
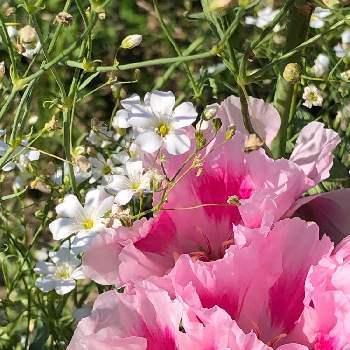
(60, 274)
(135, 181)
(157, 123)
(343, 49)
(101, 137)
(321, 66)
(264, 17)
(29, 42)
(210, 111)
(80, 176)
(317, 19)
(74, 218)
(312, 96)
(21, 157)
(103, 169)
(131, 41)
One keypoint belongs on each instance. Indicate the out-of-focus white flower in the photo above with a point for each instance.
(321, 66)
(157, 123)
(21, 157)
(104, 169)
(134, 182)
(317, 18)
(210, 111)
(312, 96)
(60, 274)
(264, 17)
(343, 49)
(345, 75)
(131, 41)
(74, 218)
(80, 176)
(101, 137)
(29, 42)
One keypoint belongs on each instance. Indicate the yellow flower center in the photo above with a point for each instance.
(63, 272)
(88, 223)
(163, 129)
(135, 185)
(107, 170)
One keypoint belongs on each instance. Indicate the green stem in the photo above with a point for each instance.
(149, 63)
(297, 30)
(6, 105)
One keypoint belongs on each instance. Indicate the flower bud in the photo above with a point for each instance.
(28, 35)
(64, 18)
(210, 111)
(221, 5)
(2, 70)
(252, 143)
(292, 73)
(131, 41)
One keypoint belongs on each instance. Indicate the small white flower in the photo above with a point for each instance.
(321, 66)
(343, 49)
(134, 182)
(21, 157)
(264, 17)
(80, 176)
(74, 218)
(103, 169)
(60, 274)
(157, 123)
(210, 111)
(101, 137)
(312, 96)
(318, 16)
(131, 41)
(29, 40)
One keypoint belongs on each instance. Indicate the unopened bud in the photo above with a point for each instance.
(102, 16)
(292, 73)
(83, 164)
(39, 185)
(2, 70)
(131, 41)
(221, 5)
(210, 111)
(64, 18)
(252, 143)
(28, 35)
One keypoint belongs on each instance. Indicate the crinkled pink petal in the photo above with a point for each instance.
(264, 117)
(313, 150)
(261, 285)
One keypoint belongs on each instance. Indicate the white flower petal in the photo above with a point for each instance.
(141, 117)
(124, 197)
(44, 268)
(62, 228)
(184, 115)
(121, 119)
(149, 141)
(82, 241)
(71, 208)
(33, 155)
(177, 143)
(45, 284)
(78, 274)
(134, 170)
(64, 286)
(162, 103)
(118, 183)
(130, 101)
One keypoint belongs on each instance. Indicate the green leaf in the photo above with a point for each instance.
(40, 339)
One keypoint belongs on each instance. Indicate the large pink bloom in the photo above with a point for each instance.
(327, 302)
(261, 286)
(197, 220)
